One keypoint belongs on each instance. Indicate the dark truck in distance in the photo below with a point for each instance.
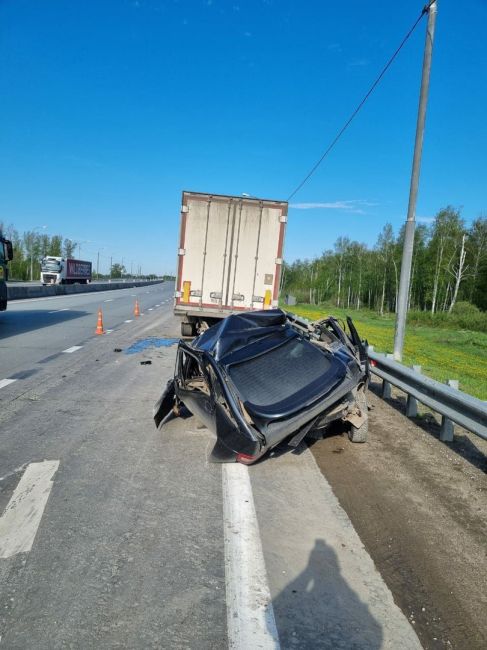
(258, 378)
(6, 255)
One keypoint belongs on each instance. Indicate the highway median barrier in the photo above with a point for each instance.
(40, 291)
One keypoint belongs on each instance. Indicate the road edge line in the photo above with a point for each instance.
(250, 615)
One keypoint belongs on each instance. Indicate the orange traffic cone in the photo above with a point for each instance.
(99, 325)
(136, 309)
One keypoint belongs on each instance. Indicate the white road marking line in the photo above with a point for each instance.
(128, 321)
(55, 311)
(150, 309)
(158, 305)
(250, 616)
(109, 300)
(108, 331)
(73, 349)
(23, 514)
(6, 382)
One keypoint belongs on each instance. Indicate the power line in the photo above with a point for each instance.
(365, 98)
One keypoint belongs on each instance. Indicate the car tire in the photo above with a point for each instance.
(360, 434)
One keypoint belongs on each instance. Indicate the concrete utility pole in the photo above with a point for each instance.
(407, 253)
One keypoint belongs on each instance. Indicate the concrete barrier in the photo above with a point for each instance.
(38, 291)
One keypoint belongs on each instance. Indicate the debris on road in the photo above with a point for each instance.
(258, 378)
(145, 363)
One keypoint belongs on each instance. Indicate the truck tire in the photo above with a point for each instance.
(360, 435)
(187, 329)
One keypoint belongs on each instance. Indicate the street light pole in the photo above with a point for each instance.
(407, 252)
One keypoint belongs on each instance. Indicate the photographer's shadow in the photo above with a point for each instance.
(319, 610)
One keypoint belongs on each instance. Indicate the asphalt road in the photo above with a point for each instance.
(33, 329)
(117, 535)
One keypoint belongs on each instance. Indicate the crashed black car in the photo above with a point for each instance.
(258, 378)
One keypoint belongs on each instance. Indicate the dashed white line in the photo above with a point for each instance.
(250, 616)
(128, 321)
(72, 349)
(56, 311)
(108, 331)
(150, 309)
(21, 519)
(6, 382)
(109, 300)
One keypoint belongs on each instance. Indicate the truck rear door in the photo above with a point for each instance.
(230, 254)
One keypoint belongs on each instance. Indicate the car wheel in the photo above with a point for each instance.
(360, 434)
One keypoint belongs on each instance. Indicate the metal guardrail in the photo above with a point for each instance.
(454, 405)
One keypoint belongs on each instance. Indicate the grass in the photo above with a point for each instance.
(442, 353)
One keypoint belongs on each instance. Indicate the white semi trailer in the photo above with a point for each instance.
(58, 270)
(229, 259)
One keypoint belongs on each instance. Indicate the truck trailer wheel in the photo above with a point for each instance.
(360, 434)
(187, 329)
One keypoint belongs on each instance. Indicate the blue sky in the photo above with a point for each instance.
(110, 109)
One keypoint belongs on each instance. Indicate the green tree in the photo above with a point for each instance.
(117, 270)
(69, 247)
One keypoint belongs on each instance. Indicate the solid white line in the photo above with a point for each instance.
(21, 519)
(6, 382)
(128, 321)
(250, 616)
(73, 349)
(58, 310)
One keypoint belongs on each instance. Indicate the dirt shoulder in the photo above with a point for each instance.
(419, 507)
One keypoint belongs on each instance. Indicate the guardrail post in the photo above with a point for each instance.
(412, 402)
(447, 428)
(386, 385)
